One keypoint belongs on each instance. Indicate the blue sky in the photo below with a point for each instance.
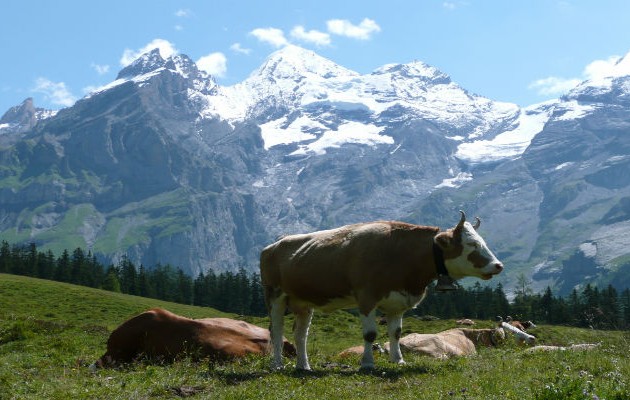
(523, 52)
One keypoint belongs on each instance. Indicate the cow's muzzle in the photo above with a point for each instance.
(496, 269)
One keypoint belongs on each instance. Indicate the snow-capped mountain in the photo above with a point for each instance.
(300, 97)
(23, 117)
(164, 165)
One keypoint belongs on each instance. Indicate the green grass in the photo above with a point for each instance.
(50, 332)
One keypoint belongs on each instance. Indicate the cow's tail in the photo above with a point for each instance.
(266, 277)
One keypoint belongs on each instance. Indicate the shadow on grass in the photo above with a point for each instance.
(233, 377)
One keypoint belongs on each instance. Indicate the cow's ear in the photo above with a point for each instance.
(443, 239)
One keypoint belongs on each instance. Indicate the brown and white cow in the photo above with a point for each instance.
(161, 335)
(522, 325)
(380, 265)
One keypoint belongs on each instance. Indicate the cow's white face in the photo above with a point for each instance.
(466, 253)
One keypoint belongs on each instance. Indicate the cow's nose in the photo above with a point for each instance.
(498, 266)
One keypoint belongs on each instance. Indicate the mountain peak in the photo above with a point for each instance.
(294, 62)
(415, 69)
(153, 60)
(147, 62)
(22, 114)
(608, 82)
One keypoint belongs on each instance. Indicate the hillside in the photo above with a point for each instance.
(50, 332)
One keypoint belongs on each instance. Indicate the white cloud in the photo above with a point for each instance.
(178, 27)
(316, 37)
(55, 92)
(595, 72)
(272, 36)
(553, 86)
(454, 5)
(182, 13)
(215, 64)
(167, 49)
(343, 27)
(237, 48)
(100, 69)
(612, 67)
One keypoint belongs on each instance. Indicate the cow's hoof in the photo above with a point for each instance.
(277, 367)
(368, 369)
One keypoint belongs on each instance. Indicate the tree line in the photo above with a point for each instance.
(241, 292)
(590, 307)
(235, 292)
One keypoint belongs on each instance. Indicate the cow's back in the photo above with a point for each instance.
(225, 338)
(156, 332)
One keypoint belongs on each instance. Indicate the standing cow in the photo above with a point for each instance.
(378, 265)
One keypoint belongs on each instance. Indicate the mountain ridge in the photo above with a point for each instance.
(164, 165)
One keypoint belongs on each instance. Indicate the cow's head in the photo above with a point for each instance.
(466, 253)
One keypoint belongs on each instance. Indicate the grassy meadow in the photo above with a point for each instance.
(50, 332)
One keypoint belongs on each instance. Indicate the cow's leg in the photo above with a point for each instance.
(394, 330)
(302, 323)
(369, 336)
(276, 314)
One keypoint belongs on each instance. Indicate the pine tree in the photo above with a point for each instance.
(95, 271)
(610, 308)
(79, 273)
(244, 293)
(165, 282)
(211, 285)
(111, 281)
(591, 313)
(128, 276)
(30, 260)
(257, 305)
(5, 258)
(184, 288)
(201, 294)
(545, 306)
(63, 272)
(624, 301)
(46, 265)
(145, 286)
(500, 304)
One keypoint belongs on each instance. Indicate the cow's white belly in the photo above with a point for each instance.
(395, 301)
(330, 306)
(399, 301)
(338, 303)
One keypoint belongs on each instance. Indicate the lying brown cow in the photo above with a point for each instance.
(381, 265)
(161, 335)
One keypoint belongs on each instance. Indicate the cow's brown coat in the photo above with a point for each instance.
(380, 268)
(159, 334)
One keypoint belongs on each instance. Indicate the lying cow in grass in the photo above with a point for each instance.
(160, 335)
(378, 265)
(445, 344)
(453, 342)
(522, 325)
